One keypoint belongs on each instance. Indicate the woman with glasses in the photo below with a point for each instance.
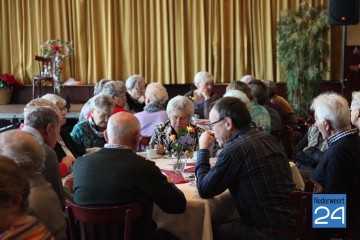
(65, 147)
(135, 95)
(179, 110)
(203, 96)
(89, 134)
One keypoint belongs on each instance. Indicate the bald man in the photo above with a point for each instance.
(117, 175)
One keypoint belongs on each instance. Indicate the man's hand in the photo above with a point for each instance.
(206, 140)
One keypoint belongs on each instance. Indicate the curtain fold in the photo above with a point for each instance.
(165, 41)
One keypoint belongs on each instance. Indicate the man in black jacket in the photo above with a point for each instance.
(117, 175)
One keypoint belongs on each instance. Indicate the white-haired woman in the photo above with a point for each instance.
(89, 134)
(154, 110)
(135, 86)
(179, 110)
(203, 96)
(65, 147)
(117, 91)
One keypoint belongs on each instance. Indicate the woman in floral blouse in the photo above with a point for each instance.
(179, 110)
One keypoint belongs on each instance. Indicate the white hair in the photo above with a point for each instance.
(156, 92)
(202, 78)
(239, 94)
(355, 103)
(332, 107)
(103, 103)
(180, 103)
(133, 81)
(113, 88)
(247, 78)
(55, 99)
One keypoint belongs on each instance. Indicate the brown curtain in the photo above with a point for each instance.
(166, 41)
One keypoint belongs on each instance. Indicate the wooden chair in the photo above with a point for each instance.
(302, 201)
(46, 71)
(144, 142)
(94, 223)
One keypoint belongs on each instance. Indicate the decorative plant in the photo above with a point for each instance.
(59, 50)
(181, 142)
(8, 81)
(303, 52)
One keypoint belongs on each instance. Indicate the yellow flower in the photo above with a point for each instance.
(190, 129)
(172, 137)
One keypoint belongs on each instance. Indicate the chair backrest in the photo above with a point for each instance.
(302, 202)
(46, 67)
(94, 223)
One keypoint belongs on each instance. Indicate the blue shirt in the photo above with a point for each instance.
(254, 167)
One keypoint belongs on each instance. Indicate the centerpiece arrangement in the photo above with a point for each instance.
(7, 84)
(180, 143)
(59, 50)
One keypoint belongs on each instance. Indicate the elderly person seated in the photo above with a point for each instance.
(259, 115)
(14, 191)
(179, 110)
(44, 204)
(135, 86)
(89, 134)
(154, 110)
(65, 147)
(117, 91)
(85, 110)
(355, 110)
(203, 96)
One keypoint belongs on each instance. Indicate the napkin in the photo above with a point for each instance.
(177, 178)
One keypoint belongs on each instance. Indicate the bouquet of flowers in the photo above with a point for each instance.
(58, 50)
(8, 81)
(181, 142)
(197, 103)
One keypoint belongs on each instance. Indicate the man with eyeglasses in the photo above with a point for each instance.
(252, 165)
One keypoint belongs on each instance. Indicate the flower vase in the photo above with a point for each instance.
(179, 162)
(5, 95)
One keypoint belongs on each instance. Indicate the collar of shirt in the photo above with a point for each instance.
(33, 132)
(118, 146)
(340, 135)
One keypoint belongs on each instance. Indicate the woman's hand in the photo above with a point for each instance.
(159, 149)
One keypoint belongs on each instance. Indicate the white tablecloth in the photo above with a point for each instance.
(196, 222)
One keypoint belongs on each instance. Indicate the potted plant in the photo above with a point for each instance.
(302, 52)
(7, 83)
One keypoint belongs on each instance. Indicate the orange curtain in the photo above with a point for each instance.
(166, 41)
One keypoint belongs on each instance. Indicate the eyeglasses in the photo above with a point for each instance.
(103, 116)
(63, 109)
(211, 125)
(353, 109)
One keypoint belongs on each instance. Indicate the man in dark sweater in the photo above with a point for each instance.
(339, 165)
(117, 175)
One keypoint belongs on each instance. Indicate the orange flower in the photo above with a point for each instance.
(172, 137)
(190, 129)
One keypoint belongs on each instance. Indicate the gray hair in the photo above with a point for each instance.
(240, 95)
(332, 107)
(38, 102)
(55, 99)
(180, 103)
(99, 86)
(13, 182)
(133, 81)
(355, 103)
(23, 149)
(202, 77)
(102, 103)
(156, 92)
(40, 117)
(247, 78)
(114, 88)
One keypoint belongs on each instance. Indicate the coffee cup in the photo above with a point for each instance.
(151, 153)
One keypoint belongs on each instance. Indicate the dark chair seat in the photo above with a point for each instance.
(95, 222)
